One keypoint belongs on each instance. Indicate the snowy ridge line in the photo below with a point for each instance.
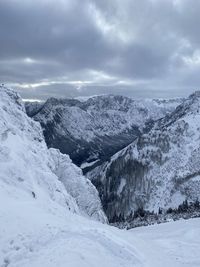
(95, 129)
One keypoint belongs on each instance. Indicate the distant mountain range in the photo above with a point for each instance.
(92, 131)
(140, 154)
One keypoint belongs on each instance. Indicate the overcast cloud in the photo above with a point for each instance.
(68, 48)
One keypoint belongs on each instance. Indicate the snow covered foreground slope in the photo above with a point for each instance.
(32, 237)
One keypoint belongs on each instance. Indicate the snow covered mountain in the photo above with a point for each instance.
(161, 168)
(33, 107)
(31, 171)
(92, 131)
(47, 205)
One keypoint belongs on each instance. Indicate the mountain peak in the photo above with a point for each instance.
(196, 94)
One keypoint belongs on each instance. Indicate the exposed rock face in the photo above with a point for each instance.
(33, 108)
(159, 169)
(92, 131)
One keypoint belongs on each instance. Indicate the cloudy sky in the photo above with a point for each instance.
(69, 48)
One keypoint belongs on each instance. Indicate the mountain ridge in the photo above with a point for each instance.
(95, 129)
(159, 169)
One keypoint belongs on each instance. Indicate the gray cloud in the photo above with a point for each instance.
(73, 47)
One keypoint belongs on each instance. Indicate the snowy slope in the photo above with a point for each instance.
(95, 129)
(172, 244)
(28, 168)
(80, 188)
(160, 169)
(50, 238)
(36, 236)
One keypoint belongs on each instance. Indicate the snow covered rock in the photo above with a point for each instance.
(92, 131)
(28, 168)
(80, 188)
(161, 168)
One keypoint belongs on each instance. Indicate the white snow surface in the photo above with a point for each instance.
(80, 188)
(35, 236)
(29, 168)
(88, 164)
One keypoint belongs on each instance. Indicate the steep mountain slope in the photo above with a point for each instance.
(159, 169)
(32, 108)
(93, 130)
(28, 168)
